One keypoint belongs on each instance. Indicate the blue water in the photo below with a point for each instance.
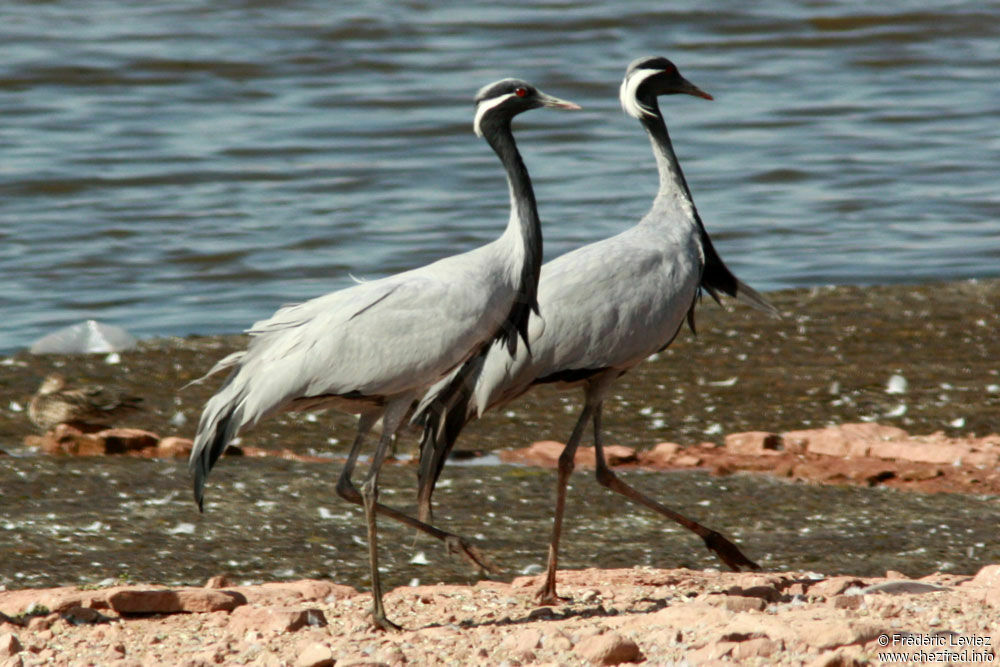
(182, 167)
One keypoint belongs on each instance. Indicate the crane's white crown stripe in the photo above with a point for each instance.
(485, 107)
(630, 103)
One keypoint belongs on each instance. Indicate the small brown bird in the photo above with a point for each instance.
(54, 404)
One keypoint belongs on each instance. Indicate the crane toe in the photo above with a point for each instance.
(728, 552)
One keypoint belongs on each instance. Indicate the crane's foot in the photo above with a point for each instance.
(382, 623)
(728, 552)
(475, 557)
(546, 596)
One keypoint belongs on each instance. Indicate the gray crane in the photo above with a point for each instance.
(374, 348)
(604, 308)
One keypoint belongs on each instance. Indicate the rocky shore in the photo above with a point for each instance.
(867, 454)
(609, 617)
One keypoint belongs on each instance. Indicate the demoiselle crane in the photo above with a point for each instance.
(374, 348)
(604, 308)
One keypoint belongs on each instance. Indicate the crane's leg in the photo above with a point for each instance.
(368, 499)
(345, 488)
(716, 543)
(455, 544)
(547, 593)
(394, 413)
(347, 491)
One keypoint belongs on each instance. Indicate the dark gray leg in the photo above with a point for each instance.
(547, 593)
(716, 543)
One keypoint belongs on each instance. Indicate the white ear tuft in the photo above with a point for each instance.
(627, 94)
(484, 107)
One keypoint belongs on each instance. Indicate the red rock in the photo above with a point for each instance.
(9, 646)
(68, 440)
(172, 601)
(315, 655)
(988, 581)
(919, 474)
(273, 619)
(737, 603)
(127, 440)
(687, 460)
(616, 455)
(834, 586)
(755, 647)
(845, 440)
(989, 459)
(845, 601)
(608, 649)
(920, 452)
(54, 599)
(288, 593)
(839, 658)
(522, 643)
(834, 444)
(558, 642)
(712, 652)
(173, 447)
(753, 442)
(39, 623)
(218, 581)
(83, 615)
(544, 453)
(988, 576)
(260, 452)
(660, 455)
(835, 633)
(764, 591)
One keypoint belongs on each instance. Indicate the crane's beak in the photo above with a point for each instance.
(555, 102)
(689, 88)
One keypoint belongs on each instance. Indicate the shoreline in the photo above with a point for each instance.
(828, 360)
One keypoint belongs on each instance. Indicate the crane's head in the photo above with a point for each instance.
(504, 99)
(651, 76)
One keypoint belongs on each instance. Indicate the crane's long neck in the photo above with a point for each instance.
(524, 227)
(673, 186)
(674, 192)
(523, 209)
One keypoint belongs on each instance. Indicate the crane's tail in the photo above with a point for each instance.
(442, 414)
(754, 299)
(220, 421)
(716, 277)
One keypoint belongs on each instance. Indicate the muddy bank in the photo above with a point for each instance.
(827, 361)
(866, 454)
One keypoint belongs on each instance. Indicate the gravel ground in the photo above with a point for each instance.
(609, 617)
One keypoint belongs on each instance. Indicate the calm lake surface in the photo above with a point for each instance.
(187, 167)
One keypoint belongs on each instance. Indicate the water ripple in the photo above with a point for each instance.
(187, 167)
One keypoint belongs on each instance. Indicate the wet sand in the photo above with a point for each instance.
(826, 361)
(77, 520)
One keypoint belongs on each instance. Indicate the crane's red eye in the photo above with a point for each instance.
(521, 92)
